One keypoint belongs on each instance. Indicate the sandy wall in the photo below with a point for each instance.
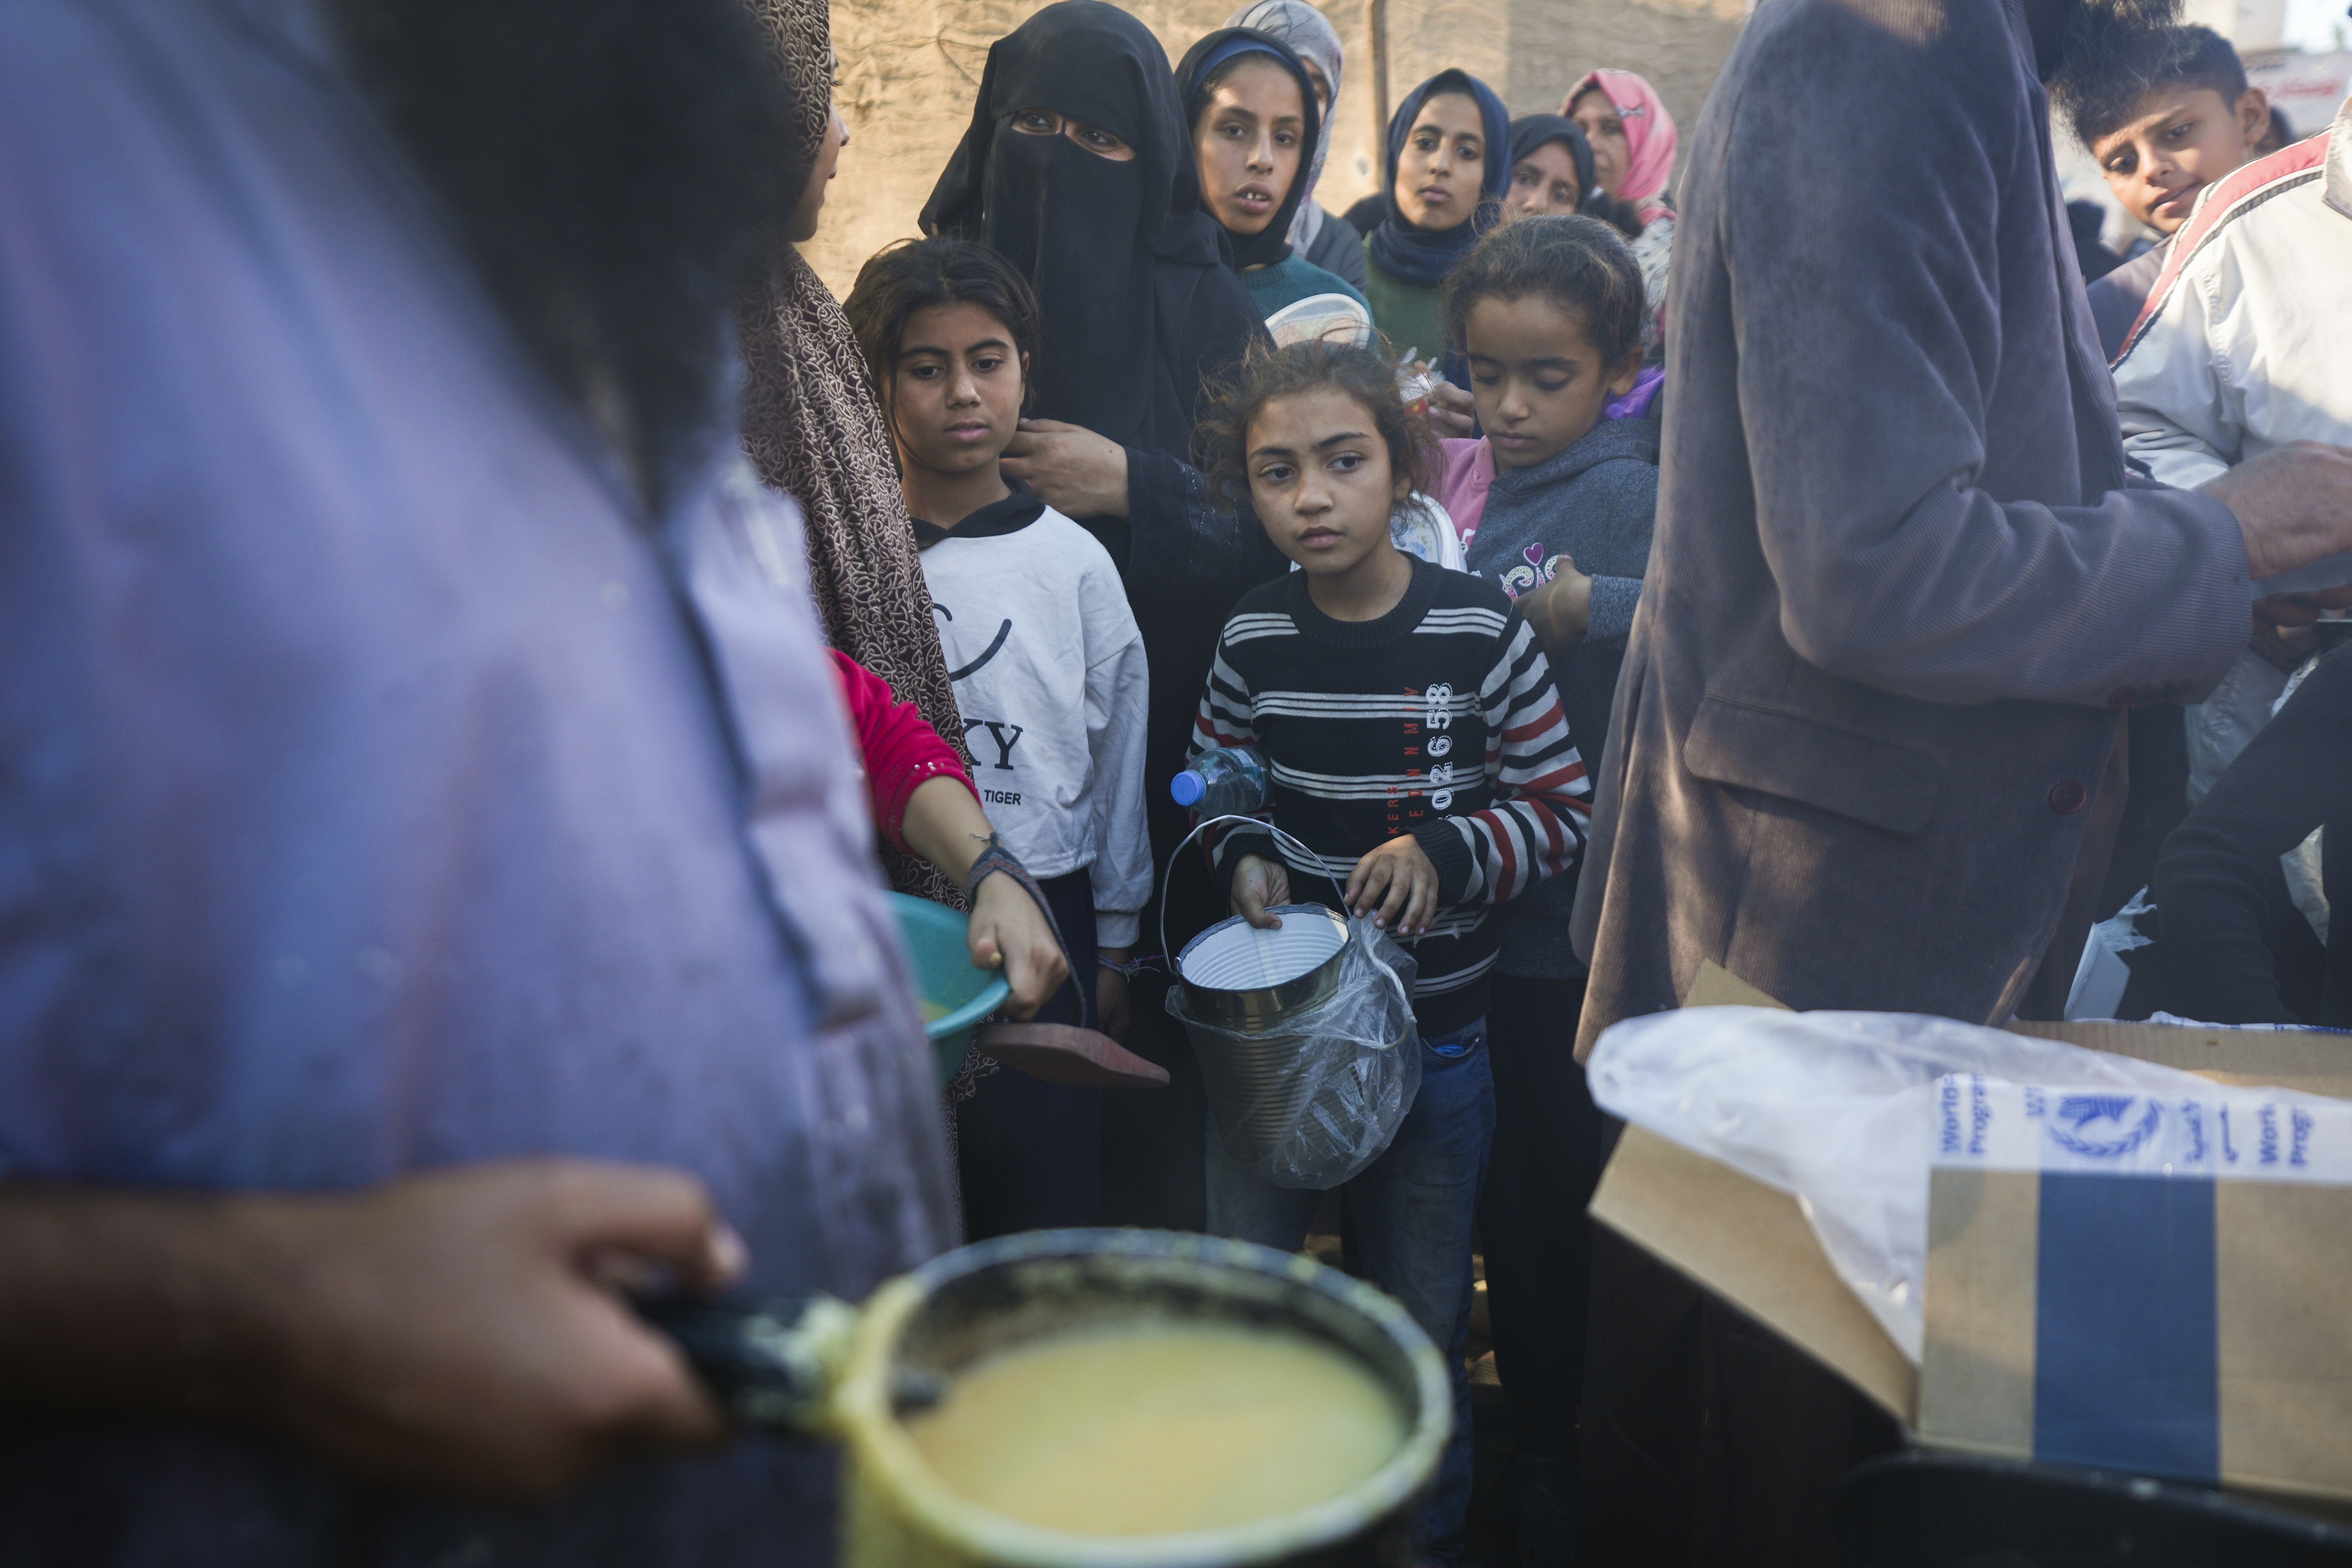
(910, 68)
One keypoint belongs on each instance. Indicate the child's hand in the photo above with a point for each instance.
(1008, 931)
(1111, 996)
(1399, 879)
(1561, 610)
(1259, 883)
(1452, 413)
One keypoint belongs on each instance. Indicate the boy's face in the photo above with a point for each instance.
(1539, 382)
(1319, 478)
(955, 397)
(2179, 140)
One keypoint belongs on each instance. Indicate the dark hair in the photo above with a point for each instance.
(916, 274)
(1204, 89)
(1577, 262)
(1268, 373)
(616, 169)
(2104, 91)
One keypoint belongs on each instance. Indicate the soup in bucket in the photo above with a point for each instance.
(1159, 1428)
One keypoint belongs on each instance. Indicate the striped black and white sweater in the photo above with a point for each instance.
(1440, 719)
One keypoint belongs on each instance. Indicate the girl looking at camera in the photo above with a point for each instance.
(1316, 233)
(1255, 122)
(1418, 752)
(1049, 675)
(1448, 169)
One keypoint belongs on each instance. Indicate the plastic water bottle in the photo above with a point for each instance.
(1224, 781)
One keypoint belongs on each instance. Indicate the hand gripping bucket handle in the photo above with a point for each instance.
(1284, 839)
(1297, 1040)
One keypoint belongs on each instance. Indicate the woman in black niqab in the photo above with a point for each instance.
(1133, 277)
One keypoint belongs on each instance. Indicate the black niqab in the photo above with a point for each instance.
(1136, 298)
(1271, 244)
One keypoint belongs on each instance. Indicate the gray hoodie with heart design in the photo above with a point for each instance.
(1596, 504)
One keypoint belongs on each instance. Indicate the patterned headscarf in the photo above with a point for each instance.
(812, 425)
(1311, 36)
(1649, 138)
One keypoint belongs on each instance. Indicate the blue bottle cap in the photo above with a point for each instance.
(1188, 788)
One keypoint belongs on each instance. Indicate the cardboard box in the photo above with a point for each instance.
(2264, 1296)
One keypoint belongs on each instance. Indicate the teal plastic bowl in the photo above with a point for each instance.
(955, 996)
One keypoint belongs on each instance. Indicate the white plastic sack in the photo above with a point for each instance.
(1315, 1101)
(2103, 976)
(1839, 1108)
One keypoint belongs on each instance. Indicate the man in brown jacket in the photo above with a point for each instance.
(1903, 591)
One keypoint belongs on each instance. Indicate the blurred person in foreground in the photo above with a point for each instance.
(1864, 751)
(438, 884)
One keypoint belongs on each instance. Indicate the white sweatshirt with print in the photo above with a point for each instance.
(1049, 673)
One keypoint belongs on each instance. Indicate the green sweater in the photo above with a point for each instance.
(1406, 314)
(1294, 278)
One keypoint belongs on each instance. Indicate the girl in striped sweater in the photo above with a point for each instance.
(1419, 753)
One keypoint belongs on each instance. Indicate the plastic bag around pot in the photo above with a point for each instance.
(1312, 1098)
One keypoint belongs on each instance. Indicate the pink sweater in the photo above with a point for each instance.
(1462, 489)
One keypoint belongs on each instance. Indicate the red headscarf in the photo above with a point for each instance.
(1649, 137)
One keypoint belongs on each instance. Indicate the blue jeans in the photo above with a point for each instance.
(1412, 1210)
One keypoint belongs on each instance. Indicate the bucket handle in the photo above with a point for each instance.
(1282, 839)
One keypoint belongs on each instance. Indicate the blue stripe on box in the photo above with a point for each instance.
(2126, 1373)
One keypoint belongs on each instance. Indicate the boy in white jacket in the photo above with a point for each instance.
(1049, 674)
(2245, 343)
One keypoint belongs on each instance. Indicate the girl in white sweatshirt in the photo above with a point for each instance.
(1049, 674)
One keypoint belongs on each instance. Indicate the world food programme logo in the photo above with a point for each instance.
(2102, 1126)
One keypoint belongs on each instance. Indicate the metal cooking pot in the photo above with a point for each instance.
(818, 1367)
(1239, 977)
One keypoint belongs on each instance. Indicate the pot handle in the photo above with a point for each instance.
(771, 1363)
(1281, 839)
